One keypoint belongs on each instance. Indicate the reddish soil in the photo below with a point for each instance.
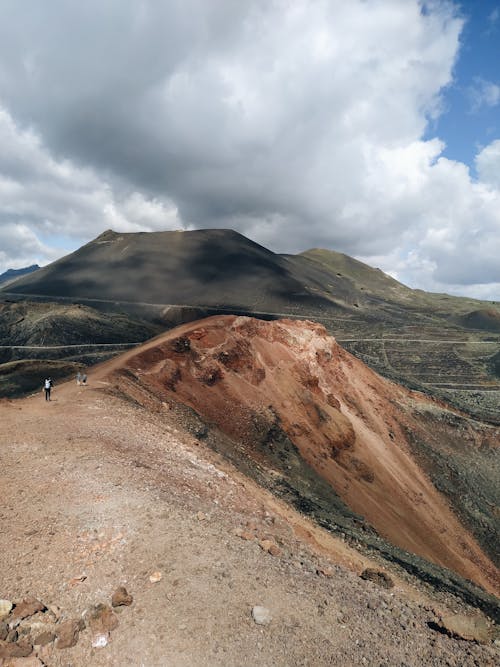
(348, 423)
(98, 492)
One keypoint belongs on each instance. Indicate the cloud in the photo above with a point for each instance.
(483, 94)
(299, 124)
(494, 16)
(488, 164)
(43, 199)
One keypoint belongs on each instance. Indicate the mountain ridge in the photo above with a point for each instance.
(436, 343)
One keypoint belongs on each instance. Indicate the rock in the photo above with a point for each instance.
(244, 534)
(27, 608)
(32, 661)
(77, 580)
(68, 632)
(44, 638)
(377, 577)
(201, 516)
(270, 546)
(102, 619)
(471, 628)
(5, 608)
(12, 636)
(325, 571)
(261, 615)
(155, 577)
(54, 611)
(16, 650)
(100, 640)
(4, 631)
(121, 598)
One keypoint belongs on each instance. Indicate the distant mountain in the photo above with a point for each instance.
(12, 274)
(214, 268)
(433, 342)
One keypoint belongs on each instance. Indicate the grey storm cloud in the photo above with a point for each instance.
(298, 123)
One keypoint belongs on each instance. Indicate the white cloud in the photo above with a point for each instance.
(41, 198)
(488, 164)
(299, 124)
(483, 94)
(494, 16)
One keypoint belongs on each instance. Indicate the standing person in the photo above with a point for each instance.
(47, 386)
(78, 378)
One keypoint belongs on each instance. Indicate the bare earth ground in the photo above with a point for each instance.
(97, 493)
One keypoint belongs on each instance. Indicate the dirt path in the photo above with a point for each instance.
(98, 493)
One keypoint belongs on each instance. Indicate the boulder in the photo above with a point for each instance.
(471, 628)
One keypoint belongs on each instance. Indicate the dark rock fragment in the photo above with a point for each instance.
(377, 577)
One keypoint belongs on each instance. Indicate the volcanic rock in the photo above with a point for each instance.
(27, 608)
(377, 577)
(102, 619)
(68, 632)
(16, 650)
(261, 615)
(121, 597)
(44, 638)
(270, 546)
(5, 608)
(471, 628)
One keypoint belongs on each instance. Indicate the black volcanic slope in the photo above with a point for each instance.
(201, 268)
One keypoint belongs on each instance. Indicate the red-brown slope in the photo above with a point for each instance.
(348, 423)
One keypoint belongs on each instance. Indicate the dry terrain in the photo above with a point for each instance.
(101, 492)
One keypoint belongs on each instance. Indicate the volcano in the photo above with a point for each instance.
(289, 406)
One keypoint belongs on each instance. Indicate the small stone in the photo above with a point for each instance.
(32, 661)
(54, 611)
(261, 615)
(244, 534)
(377, 577)
(77, 580)
(155, 577)
(5, 608)
(325, 571)
(17, 650)
(201, 516)
(100, 640)
(68, 633)
(121, 598)
(44, 638)
(270, 546)
(4, 631)
(102, 619)
(373, 604)
(12, 636)
(27, 608)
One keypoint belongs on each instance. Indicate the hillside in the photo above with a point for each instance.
(12, 274)
(40, 339)
(432, 342)
(296, 412)
(216, 268)
(137, 490)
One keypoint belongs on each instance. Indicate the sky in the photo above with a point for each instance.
(370, 127)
